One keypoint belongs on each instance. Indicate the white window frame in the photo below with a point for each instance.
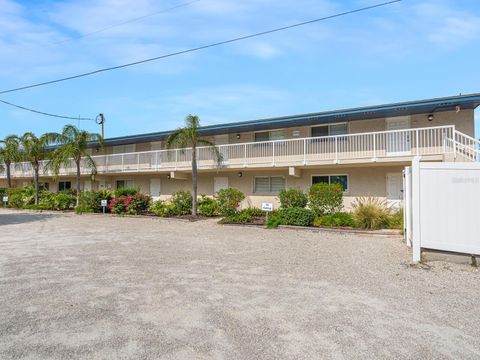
(347, 190)
(332, 124)
(270, 184)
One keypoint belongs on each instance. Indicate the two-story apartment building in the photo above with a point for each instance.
(364, 149)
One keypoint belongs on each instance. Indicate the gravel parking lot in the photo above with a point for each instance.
(102, 287)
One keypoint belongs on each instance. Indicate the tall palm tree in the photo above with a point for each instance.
(72, 145)
(9, 153)
(34, 150)
(188, 137)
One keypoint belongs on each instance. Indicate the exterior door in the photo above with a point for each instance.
(398, 142)
(155, 187)
(394, 190)
(219, 183)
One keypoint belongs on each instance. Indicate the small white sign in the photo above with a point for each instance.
(267, 206)
(103, 203)
(5, 199)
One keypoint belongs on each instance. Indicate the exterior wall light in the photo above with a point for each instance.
(238, 136)
(430, 117)
(239, 174)
(168, 176)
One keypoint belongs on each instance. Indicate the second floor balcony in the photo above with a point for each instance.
(436, 143)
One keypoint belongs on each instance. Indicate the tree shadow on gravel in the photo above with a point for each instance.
(22, 218)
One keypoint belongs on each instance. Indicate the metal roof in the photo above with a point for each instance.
(428, 106)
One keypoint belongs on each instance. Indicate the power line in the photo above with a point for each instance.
(127, 22)
(200, 47)
(45, 113)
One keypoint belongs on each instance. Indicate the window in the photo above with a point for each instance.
(122, 184)
(270, 135)
(64, 185)
(328, 130)
(269, 184)
(332, 179)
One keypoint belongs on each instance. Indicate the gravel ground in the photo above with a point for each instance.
(102, 287)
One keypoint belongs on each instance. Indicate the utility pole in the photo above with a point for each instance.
(100, 120)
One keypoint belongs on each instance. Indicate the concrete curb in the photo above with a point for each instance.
(385, 232)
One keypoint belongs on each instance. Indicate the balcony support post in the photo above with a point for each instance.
(374, 159)
(123, 164)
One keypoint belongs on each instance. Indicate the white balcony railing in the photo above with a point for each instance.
(362, 147)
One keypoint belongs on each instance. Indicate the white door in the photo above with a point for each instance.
(87, 185)
(155, 187)
(398, 142)
(219, 183)
(394, 190)
(222, 140)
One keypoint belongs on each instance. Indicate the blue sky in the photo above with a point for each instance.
(407, 51)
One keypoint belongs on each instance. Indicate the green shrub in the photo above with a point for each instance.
(63, 200)
(207, 206)
(140, 203)
(396, 220)
(90, 201)
(126, 191)
(370, 213)
(228, 201)
(162, 208)
(292, 198)
(341, 219)
(136, 204)
(20, 197)
(296, 216)
(274, 220)
(325, 198)
(182, 203)
(254, 212)
(239, 217)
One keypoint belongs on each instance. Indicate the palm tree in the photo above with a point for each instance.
(34, 150)
(72, 144)
(188, 137)
(9, 153)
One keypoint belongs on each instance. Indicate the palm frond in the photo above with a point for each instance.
(214, 149)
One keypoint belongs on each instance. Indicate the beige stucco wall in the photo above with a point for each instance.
(363, 181)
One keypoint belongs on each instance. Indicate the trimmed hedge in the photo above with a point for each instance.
(296, 216)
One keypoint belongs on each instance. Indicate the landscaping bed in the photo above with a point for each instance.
(321, 207)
